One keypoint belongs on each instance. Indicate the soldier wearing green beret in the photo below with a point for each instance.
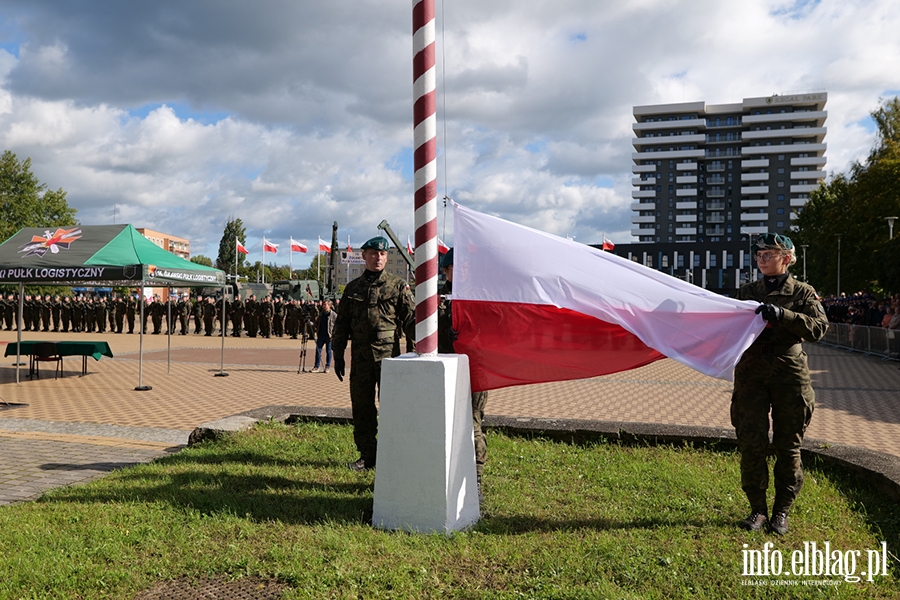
(773, 375)
(373, 307)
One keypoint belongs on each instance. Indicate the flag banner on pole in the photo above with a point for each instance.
(241, 249)
(531, 307)
(297, 246)
(323, 247)
(349, 247)
(269, 246)
(409, 248)
(607, 245)
(442, 247)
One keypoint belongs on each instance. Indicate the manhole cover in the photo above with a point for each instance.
(218, 588)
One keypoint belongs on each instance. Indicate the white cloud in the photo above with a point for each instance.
(313, 103)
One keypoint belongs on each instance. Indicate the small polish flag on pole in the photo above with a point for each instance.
(241, 249)
(269, 247)
(298, 247)
(409, 247)
(349, 246)
(607, 245)
(442, 247)
(323, 247)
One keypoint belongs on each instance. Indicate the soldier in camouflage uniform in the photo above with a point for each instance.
(237, 316)
(446, 337)
(773, 374)
(251, 307)
(373, 307)
(184, 313)
(264, 317)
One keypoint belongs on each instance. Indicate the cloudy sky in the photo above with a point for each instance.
(178, 114)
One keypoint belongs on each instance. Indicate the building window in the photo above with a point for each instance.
(781, 157)
(781, 170)
(780, 197)
(680, 260)
(780, 224)
(779, 211)
(712, 261)
(780, 184)
(729, 260)
(664, 262)
(696, 260)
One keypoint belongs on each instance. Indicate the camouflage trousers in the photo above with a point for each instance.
(365, 379)
(792, 406)
(479, 401)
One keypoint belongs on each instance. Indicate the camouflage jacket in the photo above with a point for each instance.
(370, 314)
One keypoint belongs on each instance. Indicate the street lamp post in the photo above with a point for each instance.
(839, 266)
(890, 221)
(804, 246)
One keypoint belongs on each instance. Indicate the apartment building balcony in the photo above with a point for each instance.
(794, 216)
(685, 218)
(686, 205)
(715, 231)
(687, 192)
(715, 218)
(723, 138)
(686, 179)
(785, 149)
(798, 202)
(643, 168)
(715, 206)
(755, 163)
(808, 174)
(638, 181)
(643, 206)
(804, 189)
(754, 189)
(715, 167)
(685, 231)
(754, 203)
(755, 230)
(817, 133)
(643, 193)
(667, 125)
(688, 166)
(637, 219)
(808, 161)
(639, 231)
(714, 193)
(668, 140)
(754, 176)
(815, 116)
(756, 216)
(667, 154)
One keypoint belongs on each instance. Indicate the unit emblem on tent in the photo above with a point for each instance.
(61, 239)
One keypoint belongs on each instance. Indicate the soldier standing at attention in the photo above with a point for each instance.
(773, 374)
(237, 316)
(131, 309)
(373, 307)
(184, 313)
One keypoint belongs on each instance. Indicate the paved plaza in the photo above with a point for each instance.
(56, 432)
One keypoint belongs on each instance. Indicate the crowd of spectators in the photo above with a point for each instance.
(862, 308)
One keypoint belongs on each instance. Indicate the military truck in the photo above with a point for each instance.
(244, 290)
(297, 289)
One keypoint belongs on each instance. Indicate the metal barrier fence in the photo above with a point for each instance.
(876, 341)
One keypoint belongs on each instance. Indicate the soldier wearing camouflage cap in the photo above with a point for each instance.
(773, 375)
(373, 308)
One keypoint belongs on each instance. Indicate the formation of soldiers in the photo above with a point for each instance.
(268, 317)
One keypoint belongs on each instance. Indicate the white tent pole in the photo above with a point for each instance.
(169, 331)
(19, 328)
(141, 387)
(222, 372)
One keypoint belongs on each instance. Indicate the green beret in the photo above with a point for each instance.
(771, 241)
(447, 259)
(376, 243)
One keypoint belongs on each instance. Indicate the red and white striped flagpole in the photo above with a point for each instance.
(425, 165)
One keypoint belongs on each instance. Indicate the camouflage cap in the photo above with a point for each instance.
(447, 259)
(771, 241)
(376, 243)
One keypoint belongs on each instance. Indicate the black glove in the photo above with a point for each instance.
(453, 335)
(770, 312)
(339, 366)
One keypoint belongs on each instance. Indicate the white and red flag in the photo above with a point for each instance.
(442, 247)
(297, 246)
(323, 247)
(607, 245)
(531, 307)
(409, 248)
(240, 248)
(269, 246)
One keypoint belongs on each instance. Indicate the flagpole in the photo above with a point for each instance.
(318, 262)
(263, 263)
(291, 261)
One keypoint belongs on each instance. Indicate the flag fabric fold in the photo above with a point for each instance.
(409, 248)
(269, 246)
(323, 247)
(442, 247)
(531, 307)
(241, 248)
(607, 245)
(297, 246)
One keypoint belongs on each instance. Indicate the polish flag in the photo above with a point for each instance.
(323, 247)
(531, 307)
(269, 247)
(607, 245)
(442, 247)
(409, 248)
(349, 247)
(297, 246)
(241, 249)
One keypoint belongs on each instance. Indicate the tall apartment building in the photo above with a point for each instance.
(709, 177)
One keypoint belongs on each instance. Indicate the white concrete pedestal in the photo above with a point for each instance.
(425, 479)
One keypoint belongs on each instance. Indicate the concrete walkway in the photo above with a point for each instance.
(60, 432)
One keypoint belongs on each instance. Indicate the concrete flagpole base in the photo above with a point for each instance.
(425, 479)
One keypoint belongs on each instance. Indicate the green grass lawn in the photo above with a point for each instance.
(559, 521)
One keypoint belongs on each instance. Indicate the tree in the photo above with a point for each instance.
(25, 202)
(854, 207)
(234, 232)
(202, 260)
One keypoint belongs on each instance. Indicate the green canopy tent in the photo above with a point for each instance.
(97, 255)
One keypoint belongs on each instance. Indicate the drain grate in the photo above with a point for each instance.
(249, 588)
